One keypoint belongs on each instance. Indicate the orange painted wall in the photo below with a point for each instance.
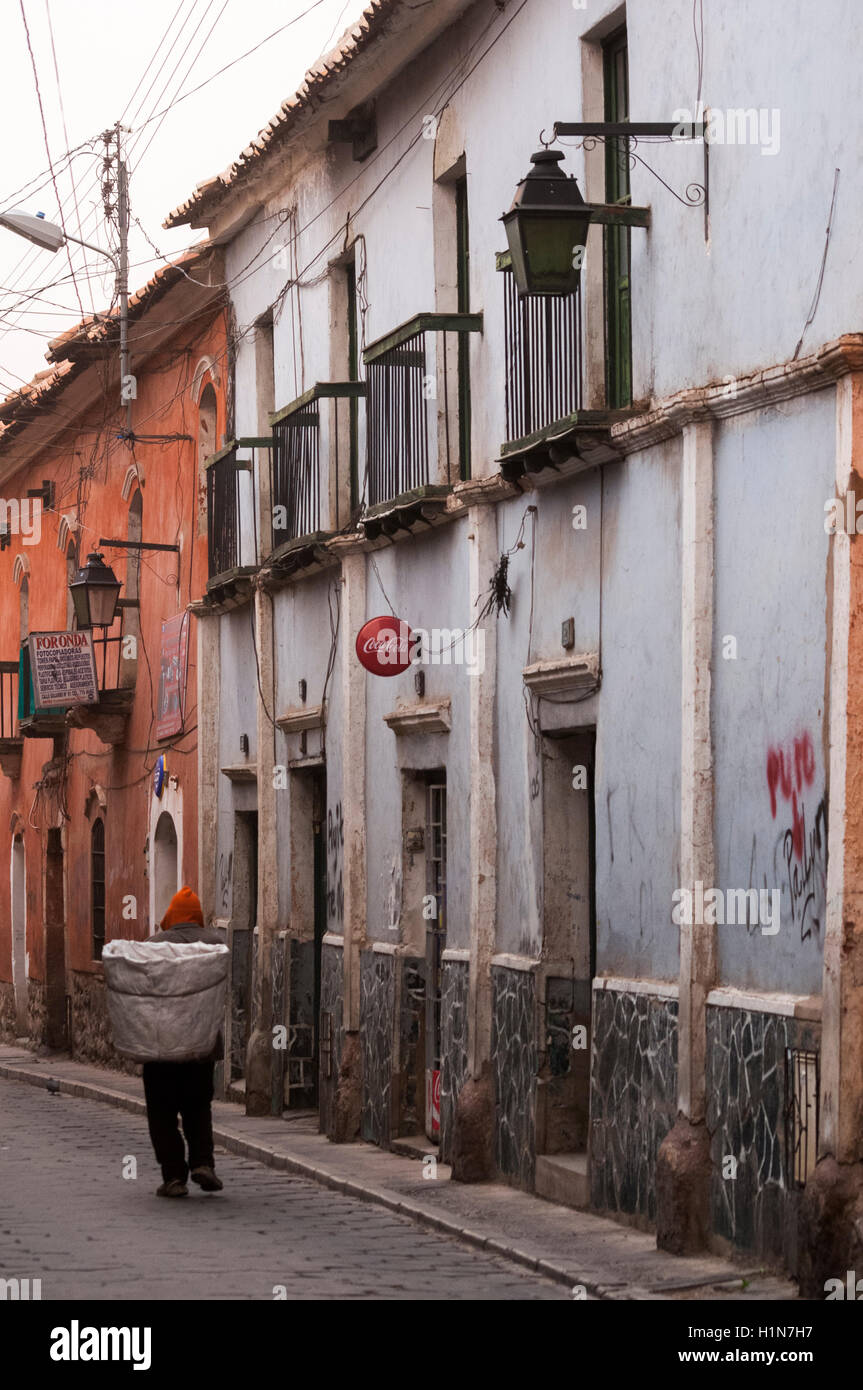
(167, 403)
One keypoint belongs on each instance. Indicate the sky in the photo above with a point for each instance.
(99, 61)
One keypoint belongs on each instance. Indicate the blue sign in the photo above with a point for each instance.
(159, 777)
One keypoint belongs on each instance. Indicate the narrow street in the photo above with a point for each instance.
(70, 1218)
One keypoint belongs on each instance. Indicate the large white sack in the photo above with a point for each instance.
(166, 999)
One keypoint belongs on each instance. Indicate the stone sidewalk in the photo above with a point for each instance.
(574, 1248)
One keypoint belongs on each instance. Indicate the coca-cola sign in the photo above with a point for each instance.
(384, 646)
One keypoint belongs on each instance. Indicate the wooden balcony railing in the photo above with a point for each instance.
(298, 485)
(224, 471)
(543, 357)
(404, 376)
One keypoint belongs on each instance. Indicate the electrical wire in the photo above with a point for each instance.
(48, 149)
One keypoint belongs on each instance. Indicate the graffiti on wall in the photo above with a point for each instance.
(335, 850)
(800, 852)
(223, 881)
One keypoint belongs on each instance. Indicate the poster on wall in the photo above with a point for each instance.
(172, 676)
(63, 668)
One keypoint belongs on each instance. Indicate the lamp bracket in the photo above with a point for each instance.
(136, 545)
(589, 132)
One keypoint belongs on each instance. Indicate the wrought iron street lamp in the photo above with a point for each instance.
(546, 228)
(95, 591)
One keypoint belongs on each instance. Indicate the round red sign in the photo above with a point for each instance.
(384, 646)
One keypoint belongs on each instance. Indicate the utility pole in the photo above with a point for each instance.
(115, 136)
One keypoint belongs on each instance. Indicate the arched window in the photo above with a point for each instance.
(97, 886)
(131, 616)
(134, 534)
(71, 571)
(207, 445)
(24, 609)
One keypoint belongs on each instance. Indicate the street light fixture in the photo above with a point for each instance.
(95, 591)
(50, 237)
(546, 228)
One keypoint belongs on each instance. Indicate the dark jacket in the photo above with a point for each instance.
(184, 933)
(187, 932)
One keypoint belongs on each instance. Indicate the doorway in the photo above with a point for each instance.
(165, 883)
(569, 943)
(435, 863)
(314, 833)
(55, 945)
(244, 916)
(19, 934)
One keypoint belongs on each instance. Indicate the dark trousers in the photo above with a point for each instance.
(184, 1088)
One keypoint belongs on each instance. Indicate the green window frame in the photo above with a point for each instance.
(353, 375)
(463, 291)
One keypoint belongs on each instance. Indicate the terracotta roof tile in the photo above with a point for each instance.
(313, 89)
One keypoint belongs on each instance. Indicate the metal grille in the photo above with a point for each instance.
(397, 444)
(296, 476)
(801, 1114)
(326, 1043)
(543, 358)
(8, 697)
(97, 885)
(436, 887)
(223, 515)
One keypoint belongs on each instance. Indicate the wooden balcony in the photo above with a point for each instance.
(416, 387)
(224, 548)
(306, 461)
(547, 425)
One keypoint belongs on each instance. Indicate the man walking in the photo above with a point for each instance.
(183, 1088)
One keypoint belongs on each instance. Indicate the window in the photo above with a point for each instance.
(130, 626)
(97, 886)
(207, 446)
(618, 354)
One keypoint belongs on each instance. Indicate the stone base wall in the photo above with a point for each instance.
(8, 1015)
(332, 1004)
(514, 1067)
(377, 1003)
(37, 1012)
(92, 1038)
(633, 1102)
(455, 994)
(748, 1094)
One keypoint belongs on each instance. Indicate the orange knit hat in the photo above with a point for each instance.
(185, 906)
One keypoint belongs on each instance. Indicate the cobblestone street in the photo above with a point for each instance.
(70, 1218)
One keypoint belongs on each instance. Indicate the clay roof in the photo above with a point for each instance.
(321, 83)
(97, 329)
(76, 349)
